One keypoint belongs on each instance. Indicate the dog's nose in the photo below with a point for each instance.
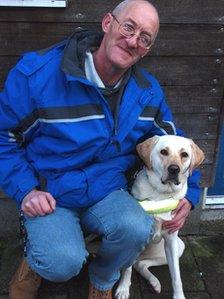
(173, 169)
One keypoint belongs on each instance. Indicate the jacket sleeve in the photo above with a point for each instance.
(17, 176)
(163, 124)
(194, 191)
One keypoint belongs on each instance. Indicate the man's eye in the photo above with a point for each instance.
(145, 39)
(127, 27)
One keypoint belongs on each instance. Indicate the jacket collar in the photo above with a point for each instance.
(74, 53)
(139, 77)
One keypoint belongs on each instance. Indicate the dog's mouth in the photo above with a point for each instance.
(171, 180)
(172, 176)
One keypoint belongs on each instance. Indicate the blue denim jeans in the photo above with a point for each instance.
(56, 248)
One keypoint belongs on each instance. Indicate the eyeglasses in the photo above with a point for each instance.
(127, 29)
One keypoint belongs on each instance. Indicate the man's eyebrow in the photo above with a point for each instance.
(134, 23)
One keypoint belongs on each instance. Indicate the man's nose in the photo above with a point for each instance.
(133, 41)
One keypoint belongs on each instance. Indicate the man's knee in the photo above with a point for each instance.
(135, 229)
(61, 266)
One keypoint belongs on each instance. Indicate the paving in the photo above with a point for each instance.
(202, 271)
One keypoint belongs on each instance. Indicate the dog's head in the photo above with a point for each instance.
(171, 158)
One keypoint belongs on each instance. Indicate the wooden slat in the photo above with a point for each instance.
(173, 40)
(207, 175)
(190, 11)
(198, 126)
(17, 38)
(194, 99)
(77, 10)
(189, 40)
(173, 11)
(185, 70)
(5, 64)
(208, 147)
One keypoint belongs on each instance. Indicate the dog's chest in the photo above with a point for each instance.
(150, 187)
(142, 188)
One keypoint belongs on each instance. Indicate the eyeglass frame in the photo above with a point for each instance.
(133, 34)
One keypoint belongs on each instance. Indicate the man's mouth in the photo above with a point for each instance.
(126, 51)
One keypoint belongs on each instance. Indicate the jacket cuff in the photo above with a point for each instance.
(23, 188)
(194, 191)
(193, 195)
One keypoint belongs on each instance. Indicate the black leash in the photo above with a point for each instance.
(23, 232)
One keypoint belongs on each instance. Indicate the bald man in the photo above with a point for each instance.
(86, 105)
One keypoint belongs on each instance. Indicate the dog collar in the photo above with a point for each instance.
(159, 207)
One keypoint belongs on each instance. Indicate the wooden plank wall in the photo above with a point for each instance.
(187, 58)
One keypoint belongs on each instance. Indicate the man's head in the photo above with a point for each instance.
(130, 31)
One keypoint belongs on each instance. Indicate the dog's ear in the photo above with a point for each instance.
(144, 149)
(197, 156)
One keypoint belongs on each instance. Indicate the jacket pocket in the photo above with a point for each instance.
(69, 189)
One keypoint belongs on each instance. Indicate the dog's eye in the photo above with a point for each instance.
(184, 155)
(164, 152)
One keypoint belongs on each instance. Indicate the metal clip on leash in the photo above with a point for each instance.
(23, 232)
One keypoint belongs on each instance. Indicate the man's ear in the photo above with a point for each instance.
(197, 156)
(145, 148)
(106, 22)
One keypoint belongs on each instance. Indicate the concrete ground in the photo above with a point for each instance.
(202, 270)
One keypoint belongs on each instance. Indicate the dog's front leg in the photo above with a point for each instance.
(123, 289)
(172, 255)
(158, 230)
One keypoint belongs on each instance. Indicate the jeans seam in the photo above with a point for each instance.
(106, 232)
(106, 228)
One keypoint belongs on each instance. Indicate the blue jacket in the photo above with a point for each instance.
(56, 124)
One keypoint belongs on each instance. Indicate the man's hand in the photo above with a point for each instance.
(38, 203)
(180, 215)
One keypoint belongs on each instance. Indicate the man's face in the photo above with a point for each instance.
(122, 52)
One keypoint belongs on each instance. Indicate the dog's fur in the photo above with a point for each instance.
(169, 160)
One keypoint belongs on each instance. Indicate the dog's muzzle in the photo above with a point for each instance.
(173, 175)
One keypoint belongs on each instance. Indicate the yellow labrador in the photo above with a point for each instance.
(169, 160)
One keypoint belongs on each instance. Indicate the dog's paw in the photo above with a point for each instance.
(155, 284)
(157, 238)
(122, 292)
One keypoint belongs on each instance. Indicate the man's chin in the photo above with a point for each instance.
(123, 64)
(123, 59)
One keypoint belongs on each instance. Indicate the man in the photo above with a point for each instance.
(73, 114)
